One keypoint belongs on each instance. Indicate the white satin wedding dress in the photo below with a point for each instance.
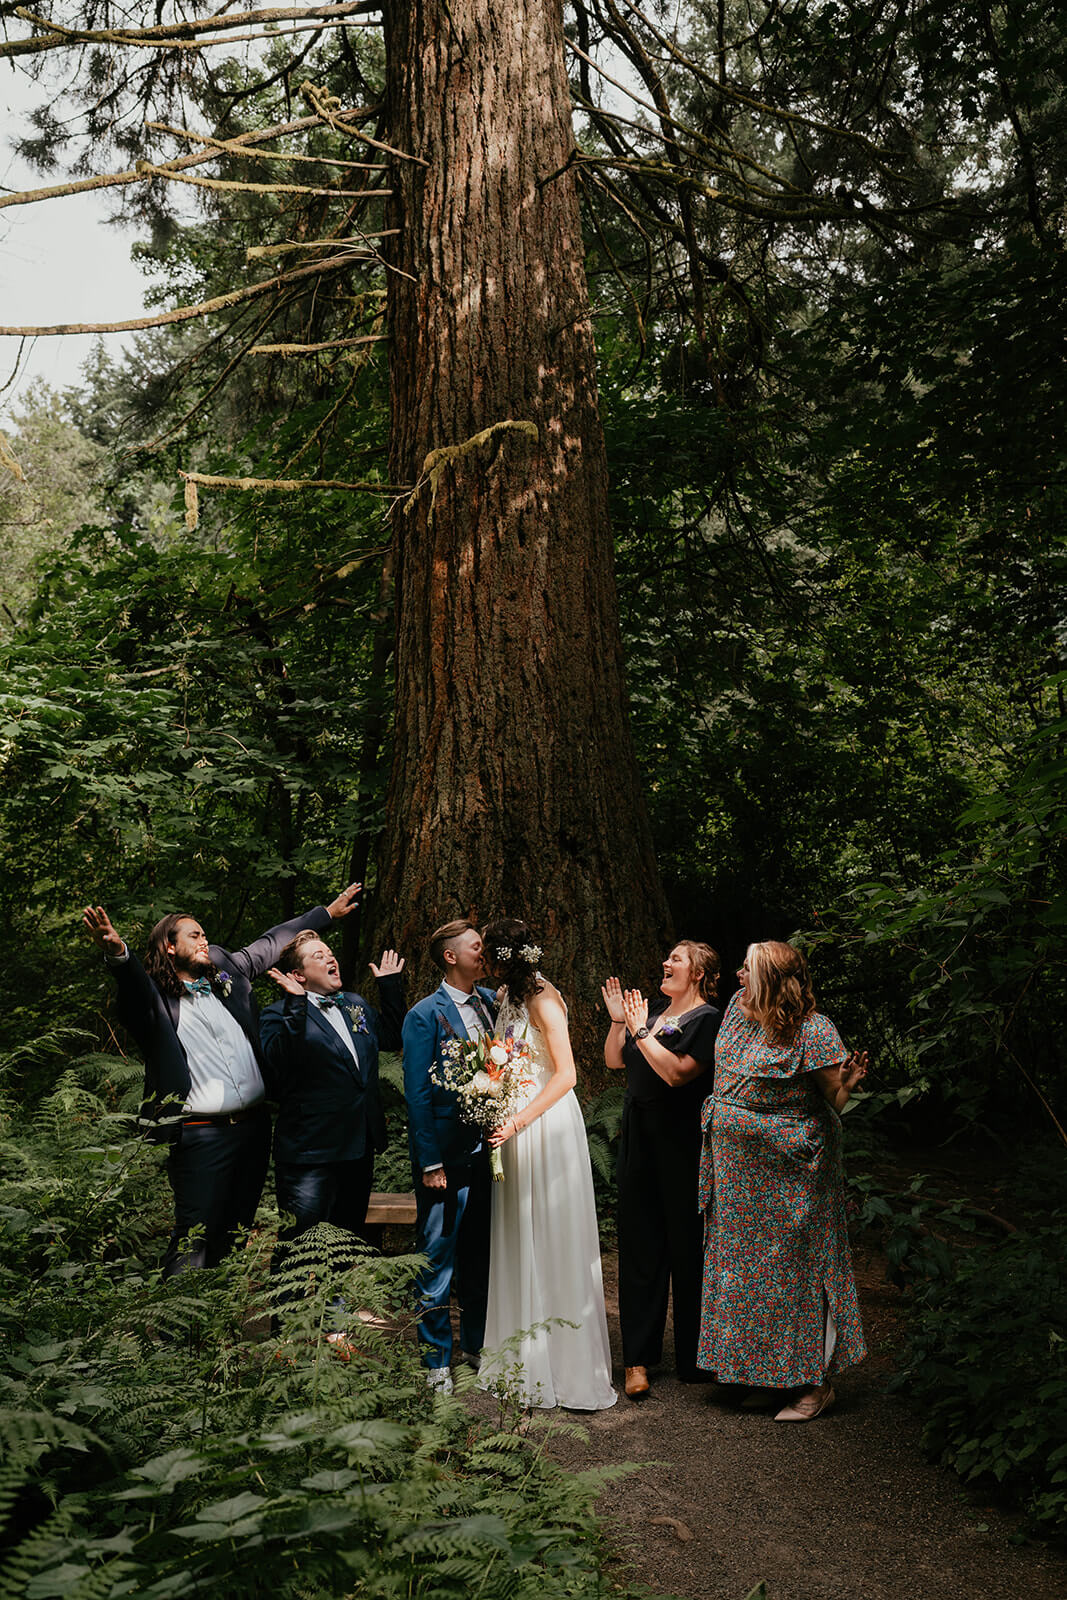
(544, 1257)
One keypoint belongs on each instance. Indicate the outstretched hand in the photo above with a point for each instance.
(853, 1069)
(611, 990)
(634, 1009)
(389, 966)
(345, 902)
(287, 981)
(96, 920)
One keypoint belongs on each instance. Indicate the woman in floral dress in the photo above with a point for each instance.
(780, 1308)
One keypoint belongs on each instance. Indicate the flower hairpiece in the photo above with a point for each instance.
(531, 953)
(504, 952)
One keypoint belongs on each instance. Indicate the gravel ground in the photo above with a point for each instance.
(844, 1508)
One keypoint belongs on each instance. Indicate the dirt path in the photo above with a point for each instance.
(846, 1508)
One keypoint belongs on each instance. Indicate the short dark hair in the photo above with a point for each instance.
(291, 958)
(444, 936)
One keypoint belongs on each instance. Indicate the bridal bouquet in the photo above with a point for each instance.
(491, 1078)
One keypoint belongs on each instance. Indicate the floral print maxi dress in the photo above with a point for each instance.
(780, 1305)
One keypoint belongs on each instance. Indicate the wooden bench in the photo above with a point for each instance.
(391, 1210)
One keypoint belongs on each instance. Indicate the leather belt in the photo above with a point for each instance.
(224, 1120)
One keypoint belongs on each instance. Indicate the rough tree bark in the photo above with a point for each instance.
(514, 787)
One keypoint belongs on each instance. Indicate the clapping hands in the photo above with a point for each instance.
(625, 1005)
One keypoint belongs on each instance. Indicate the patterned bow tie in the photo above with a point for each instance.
(196, 985)
(329, 1000)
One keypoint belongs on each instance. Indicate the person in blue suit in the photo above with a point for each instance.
(449, 1161)
(321, 1046)
(192, 1012)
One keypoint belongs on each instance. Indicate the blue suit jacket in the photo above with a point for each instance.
(330, 1106)
(436, 1135)
(152, 1016)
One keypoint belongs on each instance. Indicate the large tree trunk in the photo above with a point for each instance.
(514, 788)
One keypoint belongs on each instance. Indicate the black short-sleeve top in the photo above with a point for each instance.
(691, 1035)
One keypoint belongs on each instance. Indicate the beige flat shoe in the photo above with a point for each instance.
(808, 1405)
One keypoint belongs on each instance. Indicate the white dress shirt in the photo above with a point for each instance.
(222, 1066)
(332, 1015)
(468, 1012)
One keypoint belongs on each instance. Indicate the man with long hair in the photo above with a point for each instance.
(191, 1010)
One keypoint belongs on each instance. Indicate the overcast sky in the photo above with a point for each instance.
(60, 260)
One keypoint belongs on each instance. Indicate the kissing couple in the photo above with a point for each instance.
(522, 1256)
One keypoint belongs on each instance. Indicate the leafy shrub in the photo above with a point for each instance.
(986, 1352)
(158, 1439)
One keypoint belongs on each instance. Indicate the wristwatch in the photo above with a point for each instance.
(642, 1033)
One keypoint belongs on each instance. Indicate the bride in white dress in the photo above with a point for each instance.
(544, 1252)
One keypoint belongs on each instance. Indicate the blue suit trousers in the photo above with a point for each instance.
(452, 1231)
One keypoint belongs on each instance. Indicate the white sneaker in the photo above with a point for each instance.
(439, 1379)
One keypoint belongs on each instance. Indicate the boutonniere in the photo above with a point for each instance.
(357, 1018)
(668, 1029)
(224, 984)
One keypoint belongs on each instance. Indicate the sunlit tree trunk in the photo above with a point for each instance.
(513, 786)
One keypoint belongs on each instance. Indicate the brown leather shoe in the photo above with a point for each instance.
(637, 1382)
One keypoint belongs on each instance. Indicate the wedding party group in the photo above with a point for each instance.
(731, 1208)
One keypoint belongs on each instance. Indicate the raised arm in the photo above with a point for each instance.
(611, 990)
(255, 958)
(99, 927)
(389, 973)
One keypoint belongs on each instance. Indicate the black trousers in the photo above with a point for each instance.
(216, 1171)
(334, 1191)
(661, 1234)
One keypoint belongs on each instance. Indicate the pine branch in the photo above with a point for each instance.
(310, 349)
(188, 313)
(110, 180)
(211, 480)
(175, 34)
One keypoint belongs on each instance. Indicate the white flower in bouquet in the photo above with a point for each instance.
(491, 1078)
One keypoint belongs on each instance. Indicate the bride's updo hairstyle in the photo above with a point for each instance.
(780, 996)
(512, 954)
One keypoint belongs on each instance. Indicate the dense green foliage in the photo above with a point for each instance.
(985, 1354)
(157, 1439)
(830, 317)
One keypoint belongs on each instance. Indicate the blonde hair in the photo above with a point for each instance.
(780, 996)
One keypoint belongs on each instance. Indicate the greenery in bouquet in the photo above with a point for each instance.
(491, 1078)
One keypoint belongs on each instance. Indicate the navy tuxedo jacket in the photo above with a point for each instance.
(152, 1016)
(436, 1134)
(330, 1106)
